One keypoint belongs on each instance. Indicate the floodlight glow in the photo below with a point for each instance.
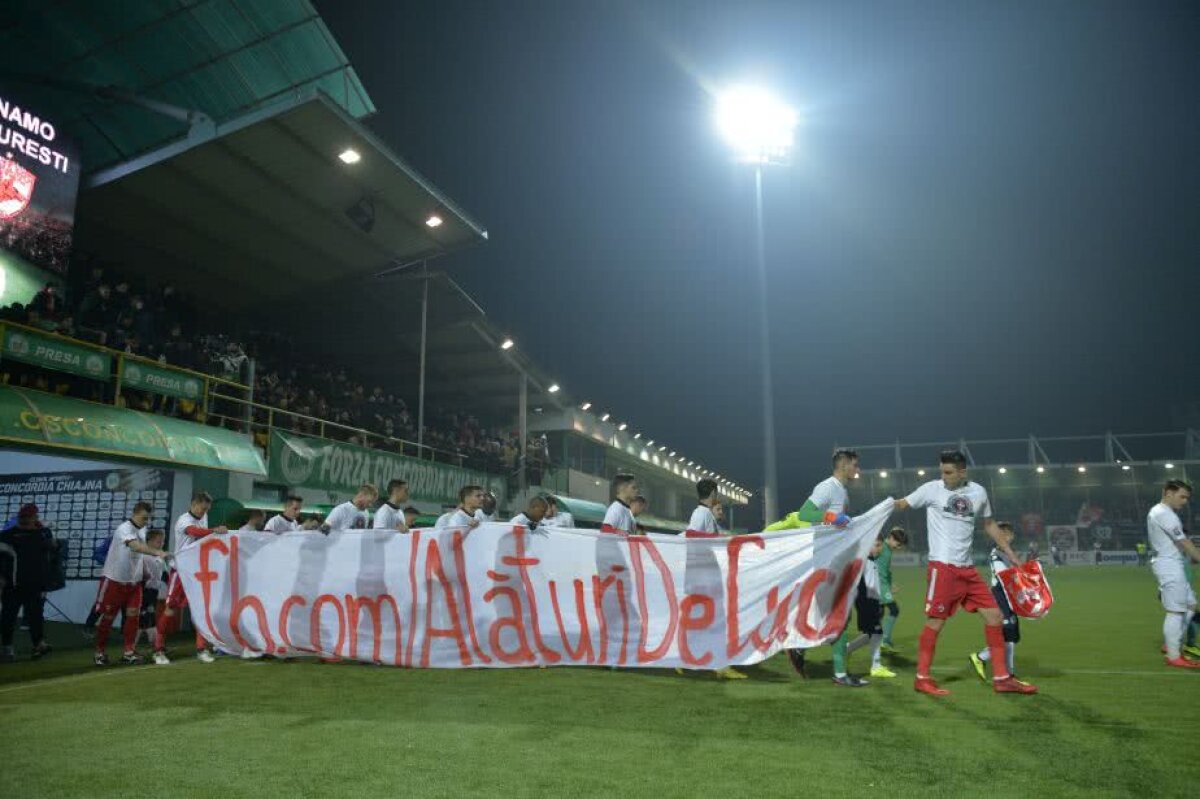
(508, 344)
(1125, 467)
(605, 417)
(433, 221)
(553, 388)
(1003, 470)
(1169, 465)
(622, 426)
(349, 156)
(920, 472)
(1082, 469)
(663, 448)
(650, 443)
(757, 125)
(671, 454)
(1041, 470)
(585, 406)
(856, 475)
(636, 436)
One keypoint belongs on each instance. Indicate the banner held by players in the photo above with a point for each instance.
(500, 596)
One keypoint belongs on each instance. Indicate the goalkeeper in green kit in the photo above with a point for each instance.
(896, 539)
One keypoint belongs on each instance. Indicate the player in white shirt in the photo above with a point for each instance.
(352, 515)
(254, 522)
(703, 523)
(487, 508)
(953, 506)
(289, 520)
(828, 501)
(1170, 547)
(123, 582)
(189, 528)
(468, 515)
(702, 573)
(390, 515)
(826, 504)
(534, 515)
(618, 518)
(555, 516)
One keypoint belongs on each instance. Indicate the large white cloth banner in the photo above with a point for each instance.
(500, 596)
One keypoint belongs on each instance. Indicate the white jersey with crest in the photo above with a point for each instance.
(279, 524)
(346, 517)
(950, 518)
(703, 520)
(619, 517)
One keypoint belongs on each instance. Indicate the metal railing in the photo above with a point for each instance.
(120, 361)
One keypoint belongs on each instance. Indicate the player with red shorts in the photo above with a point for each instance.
(122, 584)
(190, 527)
(952, 505)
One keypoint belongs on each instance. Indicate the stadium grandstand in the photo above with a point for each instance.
(227, 179)
(1072, 492)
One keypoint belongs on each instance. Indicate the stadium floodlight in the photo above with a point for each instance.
(682, 458)
(606, 417)
(508, 344)
(671, 454)
(349, 156)
(883, 473)
(1125, 467)
(1082, 469)
(1169, 465)
(756, 124)
(622, 426)
(663, 447)
(1041, 470)
(920, 472)
(585, 406)
(759, 129)
(1003, 470)
(650, 443)
(637, 436)
(691, 463)
(433, 221)
(857, 475)
(553, 388)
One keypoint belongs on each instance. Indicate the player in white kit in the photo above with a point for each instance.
(390, 515)
(352, 515)
(189, 528)
(702, 574)
(123, 582)
(289, 520)
(953, 506)
(1171, 546)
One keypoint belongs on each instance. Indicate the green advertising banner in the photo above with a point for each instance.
(52, 352)
(161, 380)
(333, 466)
(34, 417)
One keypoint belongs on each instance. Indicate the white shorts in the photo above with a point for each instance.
(1173, 587)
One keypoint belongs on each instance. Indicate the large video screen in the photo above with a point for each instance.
(39, 179)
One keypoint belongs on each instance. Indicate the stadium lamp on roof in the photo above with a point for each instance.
(606, 417)
(883, 473)
(585, 406)
(1082, 469)
(637, 436)
(756, 125)
(1041, 470)
(663, 448)
(622, 426)
(920, 472)
(508, 344)
(1125, 467)
(1003, 470)
(1169, 465)
(433, 221)
(349, 156)
(553, 388)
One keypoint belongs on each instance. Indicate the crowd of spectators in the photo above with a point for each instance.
(161, 323)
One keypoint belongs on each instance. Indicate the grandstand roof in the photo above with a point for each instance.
(258, 209)
(220, 58)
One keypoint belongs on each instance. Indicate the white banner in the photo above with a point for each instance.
(500, 596)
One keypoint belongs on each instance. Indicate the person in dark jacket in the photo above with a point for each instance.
(25, 555)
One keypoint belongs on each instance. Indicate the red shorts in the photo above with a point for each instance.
(951, 586)
(114, 596)
(176, 598)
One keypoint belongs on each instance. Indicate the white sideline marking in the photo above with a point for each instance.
(108, 672)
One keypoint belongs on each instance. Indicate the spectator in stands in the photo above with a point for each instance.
(26, 549)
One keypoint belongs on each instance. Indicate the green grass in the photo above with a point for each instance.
(1111, 721)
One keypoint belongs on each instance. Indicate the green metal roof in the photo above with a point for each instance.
(219, 57)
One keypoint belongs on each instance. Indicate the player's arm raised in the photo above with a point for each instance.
(138, 545)
(993, 530)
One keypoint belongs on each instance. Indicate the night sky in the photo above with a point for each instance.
(991, 227)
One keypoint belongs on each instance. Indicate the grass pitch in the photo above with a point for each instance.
(1111, 721)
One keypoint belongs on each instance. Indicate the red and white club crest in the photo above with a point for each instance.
(16, 188)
